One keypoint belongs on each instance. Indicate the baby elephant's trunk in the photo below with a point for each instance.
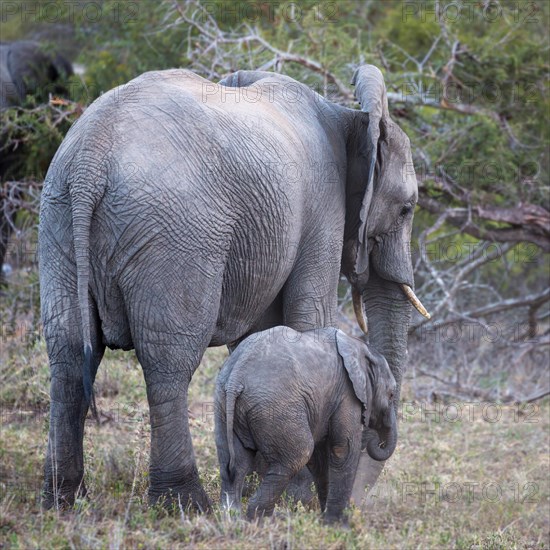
(381, 442)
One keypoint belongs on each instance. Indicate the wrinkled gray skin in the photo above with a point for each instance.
(176, 215)
(300, 399)
(25, 68)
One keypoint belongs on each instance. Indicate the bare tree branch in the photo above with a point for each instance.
(491, 309)
(527, 222)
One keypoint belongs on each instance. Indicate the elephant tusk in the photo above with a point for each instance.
(358, 309)
(409, 293)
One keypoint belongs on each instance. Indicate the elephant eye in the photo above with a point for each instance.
(405, 210)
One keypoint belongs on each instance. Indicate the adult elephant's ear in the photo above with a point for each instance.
(356, 371)
(370, 92)
(233, 80)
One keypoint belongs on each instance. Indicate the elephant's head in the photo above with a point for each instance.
(381, 196)
(374, 385)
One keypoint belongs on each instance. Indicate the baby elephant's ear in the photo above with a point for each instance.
(356, 372)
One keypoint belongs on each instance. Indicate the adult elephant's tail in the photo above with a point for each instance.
(82, 209)
(231, 395)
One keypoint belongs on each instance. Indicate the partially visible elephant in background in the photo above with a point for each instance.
(26, 68)
(301, 398)
(176, 215)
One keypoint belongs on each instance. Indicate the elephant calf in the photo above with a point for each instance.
(301, 398)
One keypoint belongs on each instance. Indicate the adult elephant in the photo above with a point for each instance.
(26, 68)
(179, 214)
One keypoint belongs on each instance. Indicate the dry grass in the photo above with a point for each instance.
(472, 483)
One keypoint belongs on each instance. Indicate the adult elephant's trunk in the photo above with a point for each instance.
(388, 315)
(381, 442)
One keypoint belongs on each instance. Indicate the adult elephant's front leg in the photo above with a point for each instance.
(310, 295)
(172, 313)
(173, 474)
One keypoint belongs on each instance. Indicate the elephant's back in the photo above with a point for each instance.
(286, 360)
(163, 130)
(122, 140)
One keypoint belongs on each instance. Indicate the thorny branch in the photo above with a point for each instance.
(457, 390)
(524, 223)
(18, 130)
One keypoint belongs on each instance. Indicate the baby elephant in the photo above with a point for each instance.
(301, 398)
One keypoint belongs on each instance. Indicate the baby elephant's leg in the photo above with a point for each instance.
(282, 466)
(318, 466)
(262, 503)
(232, 482)
(344, 451)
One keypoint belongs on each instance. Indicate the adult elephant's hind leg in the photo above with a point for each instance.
(168, 367)
(172, 311)
(64, 466)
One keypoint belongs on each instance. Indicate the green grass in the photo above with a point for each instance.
(439, 490)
